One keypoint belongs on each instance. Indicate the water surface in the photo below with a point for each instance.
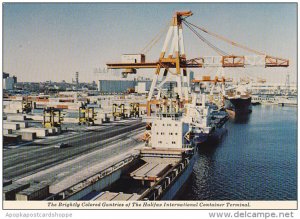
(255, 160)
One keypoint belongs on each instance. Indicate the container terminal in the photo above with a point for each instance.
(130, 139)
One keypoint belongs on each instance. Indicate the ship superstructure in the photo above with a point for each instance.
(170, 142)
(198, 115)
(205, 118)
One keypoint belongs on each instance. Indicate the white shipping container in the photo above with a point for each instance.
(16, 117)
(71, 120)
(7, 131)
(133, 58)
(141, 87)
(21, 124)
(28, 136)
(11, 111)
(40, 132)
(35, 117)
(52, 131)
(12, 126)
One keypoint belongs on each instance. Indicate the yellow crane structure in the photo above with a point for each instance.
(118, 111)
(122, 112)
(26, 105)
(134, 109)
(172, 59)
(86, 115)
(52, 117)
(214, 82)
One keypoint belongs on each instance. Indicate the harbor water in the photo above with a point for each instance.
(255, 160)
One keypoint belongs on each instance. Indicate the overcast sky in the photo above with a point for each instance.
(52, 41)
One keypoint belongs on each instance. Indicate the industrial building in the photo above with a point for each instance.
(8, 82)
(139, 85)
(123, 86)
(273, 88)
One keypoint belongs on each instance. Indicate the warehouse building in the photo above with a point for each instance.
(123, 86)
(139, 85)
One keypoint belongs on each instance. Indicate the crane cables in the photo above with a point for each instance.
(156, 38)
(215, 48)
(225, 39)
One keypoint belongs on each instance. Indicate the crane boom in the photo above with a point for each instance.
(209, 61)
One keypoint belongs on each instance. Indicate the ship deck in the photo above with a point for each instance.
(116, 196)
(150, 171)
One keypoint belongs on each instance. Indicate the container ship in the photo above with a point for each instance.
(159, 169)
(237, 102)
(163, 165)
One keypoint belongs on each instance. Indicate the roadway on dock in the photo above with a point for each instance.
(68, 173)
(38, 156)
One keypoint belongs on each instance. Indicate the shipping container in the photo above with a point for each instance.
(133, 58)
(37, 191)
(9, 191)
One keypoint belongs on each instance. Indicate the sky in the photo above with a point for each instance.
(53, 41)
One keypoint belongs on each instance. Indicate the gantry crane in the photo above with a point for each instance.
(214, 81)
(118, 111)
(52, 117)
(86, 115)
(173, 56)
(26, 105)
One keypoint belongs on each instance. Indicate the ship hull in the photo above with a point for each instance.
(237, 106)
(200, 138)
(216, 132)
(174, 190)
